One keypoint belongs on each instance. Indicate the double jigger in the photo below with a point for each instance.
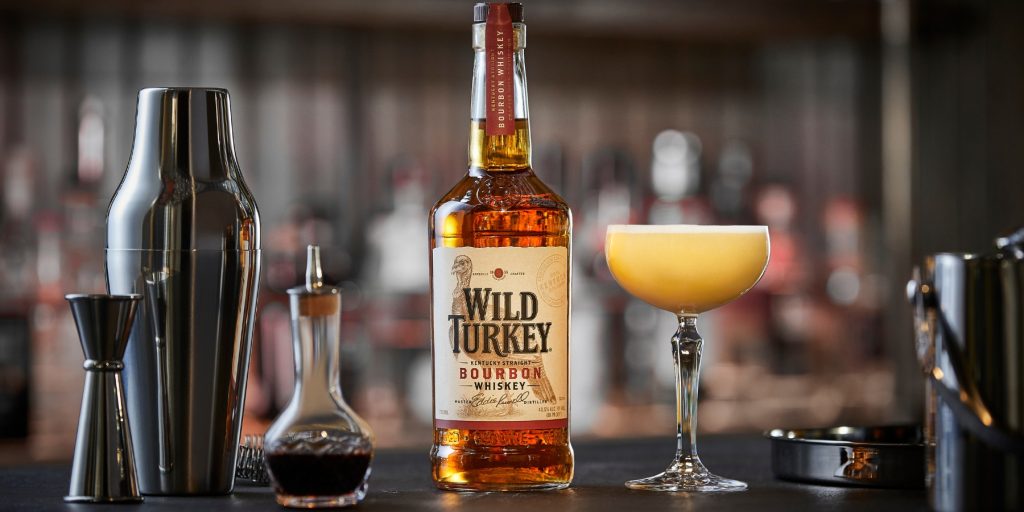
(104, 465)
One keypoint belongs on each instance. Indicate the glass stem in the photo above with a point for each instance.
(686, 347)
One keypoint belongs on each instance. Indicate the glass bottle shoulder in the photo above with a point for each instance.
(487, 209)
(297, 421)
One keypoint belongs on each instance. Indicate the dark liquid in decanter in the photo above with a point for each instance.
(309, 474)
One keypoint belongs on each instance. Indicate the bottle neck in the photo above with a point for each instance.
(317, 368)
(496, 153)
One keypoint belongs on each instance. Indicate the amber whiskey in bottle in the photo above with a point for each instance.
(500, 246)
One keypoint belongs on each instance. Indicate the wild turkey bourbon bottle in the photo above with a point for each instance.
(499, 253)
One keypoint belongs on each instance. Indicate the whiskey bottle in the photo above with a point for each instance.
(500, 245)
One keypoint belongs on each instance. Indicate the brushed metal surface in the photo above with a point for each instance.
(889, 456)
(183, 230)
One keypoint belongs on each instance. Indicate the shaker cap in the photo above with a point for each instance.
(182, 189)
(315, 298)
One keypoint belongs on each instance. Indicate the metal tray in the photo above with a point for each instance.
(888, 456)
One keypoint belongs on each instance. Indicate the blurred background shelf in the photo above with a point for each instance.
(864, 133)
(720, 20)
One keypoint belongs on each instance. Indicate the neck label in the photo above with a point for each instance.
(500, 82)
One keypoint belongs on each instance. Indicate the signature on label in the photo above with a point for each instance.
(480, 399)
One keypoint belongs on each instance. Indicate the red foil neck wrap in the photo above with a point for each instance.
(500, 76)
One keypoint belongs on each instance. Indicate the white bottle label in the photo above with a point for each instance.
(501, 337)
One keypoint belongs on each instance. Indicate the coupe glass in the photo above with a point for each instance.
(687, 270)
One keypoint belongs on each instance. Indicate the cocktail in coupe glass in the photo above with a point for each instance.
(687, 270)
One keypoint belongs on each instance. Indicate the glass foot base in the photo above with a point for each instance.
(343, 500)
(686, 476)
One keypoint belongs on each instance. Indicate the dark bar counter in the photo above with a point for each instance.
(401, 481)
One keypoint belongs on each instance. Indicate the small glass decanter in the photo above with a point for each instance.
(318, 450)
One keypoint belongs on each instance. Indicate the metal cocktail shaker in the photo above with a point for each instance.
(183, 231)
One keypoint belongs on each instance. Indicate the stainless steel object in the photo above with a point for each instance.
(252, 463)
(891, 456)
(969, 318)
(183, 230)
(103, 470)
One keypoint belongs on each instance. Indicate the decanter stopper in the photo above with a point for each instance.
(104, 464)
(314, 274)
